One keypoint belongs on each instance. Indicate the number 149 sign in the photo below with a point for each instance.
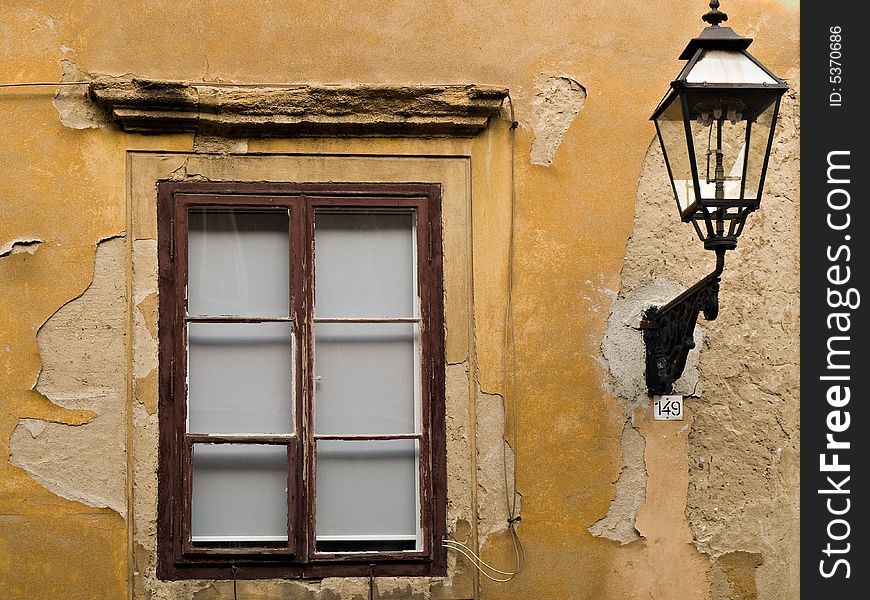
(668, 408)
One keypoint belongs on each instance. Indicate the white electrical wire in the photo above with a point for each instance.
(484, 567)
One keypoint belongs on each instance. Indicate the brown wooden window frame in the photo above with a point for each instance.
(178, 558)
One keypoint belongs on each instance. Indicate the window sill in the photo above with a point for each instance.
(346, 567)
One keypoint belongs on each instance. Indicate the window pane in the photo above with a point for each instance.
(239, 263)
(367, 377)
(365, 264)
(240, 378)
(239, 493)
(367, 495)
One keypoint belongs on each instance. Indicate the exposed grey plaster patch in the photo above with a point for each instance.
(624, 357)
(346, 588)
(144, 448)
(458, 445)
(381, 588)
(219, 145)
(145, 477)
(74, 103)
(144, 268)
(19, 246)
(144, 284)
(625, 354)
(630, 494)
(555, 106)
(395, 588)
(178, 590)
(495, 464)
(459, 468)
(83, 354)
(34, 426)
(54, 472)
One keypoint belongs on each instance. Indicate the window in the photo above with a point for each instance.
(301, 380)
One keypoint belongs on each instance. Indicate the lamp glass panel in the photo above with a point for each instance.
(672, 135)
(719, 136)
(762, 129)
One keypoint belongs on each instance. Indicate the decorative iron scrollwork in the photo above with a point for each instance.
(668, 332)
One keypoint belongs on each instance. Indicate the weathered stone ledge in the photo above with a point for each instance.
(150, 106)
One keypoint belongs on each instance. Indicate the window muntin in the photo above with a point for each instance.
(359, 330)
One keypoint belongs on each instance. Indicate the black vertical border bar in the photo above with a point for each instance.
(833, 120)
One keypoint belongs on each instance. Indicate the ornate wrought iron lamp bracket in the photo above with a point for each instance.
(668, 332)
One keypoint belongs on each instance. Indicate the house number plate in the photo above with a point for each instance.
(668, 408)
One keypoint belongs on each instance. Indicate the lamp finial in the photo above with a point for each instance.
(714, 16)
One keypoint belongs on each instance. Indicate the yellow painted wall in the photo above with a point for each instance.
(65, 532)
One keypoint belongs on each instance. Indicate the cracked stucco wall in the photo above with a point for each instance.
(745, 448)
(740, 458)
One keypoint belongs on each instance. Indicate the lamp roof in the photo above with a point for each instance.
(717, 61)
(716, 37)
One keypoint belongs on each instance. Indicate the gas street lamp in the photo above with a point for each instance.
(715, 126)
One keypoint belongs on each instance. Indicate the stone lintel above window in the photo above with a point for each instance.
(154, 106)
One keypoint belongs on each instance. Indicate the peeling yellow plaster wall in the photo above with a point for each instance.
(61, 187)
(62, 193)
